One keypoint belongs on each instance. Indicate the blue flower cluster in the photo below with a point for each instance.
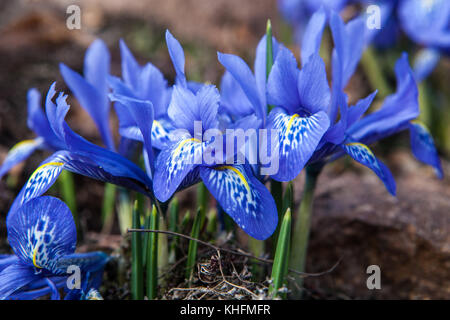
(312, 121)
(425, 22)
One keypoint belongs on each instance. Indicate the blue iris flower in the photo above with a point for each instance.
(143, 83)
(180, 163)
(302, 97)
(42, 235)
(426, 22)
(350, 132)
(79, 156)
(91, 91)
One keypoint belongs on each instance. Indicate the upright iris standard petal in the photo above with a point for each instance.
(42, 231)
(313, 35)
(349, 43)
(94, 101)
(130, 67)
(38, 122)
(243, 197)
(173, 165)
(142, 114)
(96, 67)
(423, 148)
(298, 139)
(19, 153)
(243, 75)
(233, 98)
(186, 107)
(395, 113)
(14, 277)
(176, 53)
(313, 86)
(128, 127)
(282, 82)
(362, 154)
(92, 90)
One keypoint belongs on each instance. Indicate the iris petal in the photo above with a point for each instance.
(423, 148)
(41, 231)
(19, 153)
(173, 164)
(243, 197)
(15, 277)
(298, 139)
(362, 154)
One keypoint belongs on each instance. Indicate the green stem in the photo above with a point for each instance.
(173, 226)
(109, 197)
(193, 245)
(202, 201)
(374, 73)
(152, 256)
(124, 212)
(67, 189)
(276, 189)
(425, 107)
(257, 248)
(137, 274)
(280, 263)
(302, 225)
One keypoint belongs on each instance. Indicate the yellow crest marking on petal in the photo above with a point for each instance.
(158, 124)
(240, 175)
(34, 258)
(57, 164)
(289, 125)
(359, 145)
(24, 142)
(182, 143)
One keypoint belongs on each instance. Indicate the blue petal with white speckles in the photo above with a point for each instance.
(243, 197)
(298, 139)
(362, 154)
(173, 164)
(42, 231)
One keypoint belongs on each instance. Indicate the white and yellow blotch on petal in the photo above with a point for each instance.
(234, 184)
(362, 154)
(243, 197)
(41, 179)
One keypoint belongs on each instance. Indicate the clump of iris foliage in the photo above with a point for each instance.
(314, 123)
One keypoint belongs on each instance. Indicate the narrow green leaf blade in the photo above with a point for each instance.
(281, 261)
(193, 245)
(137, 273)
(152, 256)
